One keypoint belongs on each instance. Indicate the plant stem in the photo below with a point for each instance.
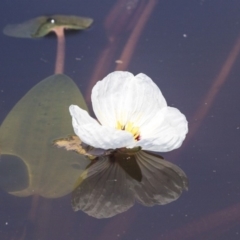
(59, 64)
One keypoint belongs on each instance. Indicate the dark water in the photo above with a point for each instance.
(185, 47)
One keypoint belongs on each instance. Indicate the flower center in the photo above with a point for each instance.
(129, 127)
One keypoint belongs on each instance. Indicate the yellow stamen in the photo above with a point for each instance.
(129, 127)
(119, 126)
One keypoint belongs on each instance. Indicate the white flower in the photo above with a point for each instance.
(132, 112)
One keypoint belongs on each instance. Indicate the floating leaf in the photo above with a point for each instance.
(41, 26)
(28, 132)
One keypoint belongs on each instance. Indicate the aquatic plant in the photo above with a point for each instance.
(41, 26)
(30, 165)
(134, 117)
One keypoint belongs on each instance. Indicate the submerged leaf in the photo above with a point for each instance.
(29, 130)
(41, 26)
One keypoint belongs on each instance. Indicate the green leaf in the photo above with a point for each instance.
(29, 130)
(41, 26)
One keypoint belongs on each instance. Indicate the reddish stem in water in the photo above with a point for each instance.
(59, 65)
(134, 37)
(208, 100)
(214, 89)
(118, 22)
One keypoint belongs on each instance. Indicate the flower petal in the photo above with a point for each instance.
(81, 116)
(164, 132)
(124, 98)
(95, 135)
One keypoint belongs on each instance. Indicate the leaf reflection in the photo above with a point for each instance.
(30, 164)
(105, 188)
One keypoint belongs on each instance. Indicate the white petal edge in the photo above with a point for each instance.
(165, 132)
(95, 135)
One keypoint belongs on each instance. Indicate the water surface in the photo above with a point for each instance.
(185, 47)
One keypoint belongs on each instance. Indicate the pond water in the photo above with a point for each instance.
(190, 49)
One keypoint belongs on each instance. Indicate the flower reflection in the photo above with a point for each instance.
(115, 179)
(133, 113)
(107, 187)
